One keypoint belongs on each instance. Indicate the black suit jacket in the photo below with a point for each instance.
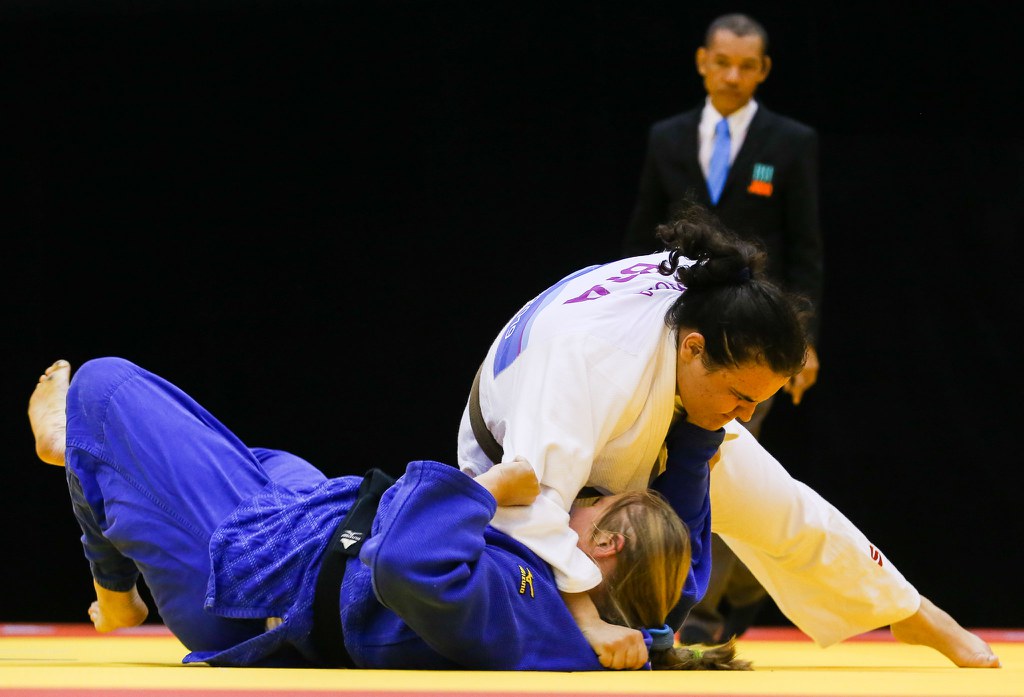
(771, 194)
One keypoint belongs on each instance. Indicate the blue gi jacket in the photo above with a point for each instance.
(433, 588)
(227, 536)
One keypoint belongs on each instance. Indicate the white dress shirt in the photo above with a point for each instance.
(739, 123)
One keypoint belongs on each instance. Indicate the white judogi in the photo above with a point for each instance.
(581, 383)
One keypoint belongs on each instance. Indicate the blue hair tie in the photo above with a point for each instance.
(662, 639)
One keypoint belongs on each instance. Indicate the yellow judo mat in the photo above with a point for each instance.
(74, 661)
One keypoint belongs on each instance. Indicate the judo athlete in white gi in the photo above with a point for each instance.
(584, 383)
(231, 543)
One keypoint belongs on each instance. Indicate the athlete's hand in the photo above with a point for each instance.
(617, 648)
(511, 483)
(805, 379)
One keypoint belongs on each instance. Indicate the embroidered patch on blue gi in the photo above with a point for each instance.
(526, 579)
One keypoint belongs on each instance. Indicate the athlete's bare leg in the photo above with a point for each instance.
(47, 412)
(932, 626)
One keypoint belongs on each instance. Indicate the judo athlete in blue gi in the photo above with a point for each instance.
(230, 540)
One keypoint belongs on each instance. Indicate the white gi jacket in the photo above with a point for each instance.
(581, 383)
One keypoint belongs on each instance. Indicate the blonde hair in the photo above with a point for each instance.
(718, 657)
(648, 579)
(652, 566)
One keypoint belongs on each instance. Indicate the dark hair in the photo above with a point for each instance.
(743, 317)
(720, 657)
(740, 25)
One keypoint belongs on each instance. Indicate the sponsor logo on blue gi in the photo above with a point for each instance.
(349, 538)
(526, 579)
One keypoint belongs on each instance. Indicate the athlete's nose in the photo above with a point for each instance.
(745, 410)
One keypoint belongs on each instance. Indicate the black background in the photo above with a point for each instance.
(314, 215)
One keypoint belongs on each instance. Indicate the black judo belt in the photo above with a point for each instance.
(346, 541)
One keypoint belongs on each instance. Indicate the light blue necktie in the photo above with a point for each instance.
(719, 167)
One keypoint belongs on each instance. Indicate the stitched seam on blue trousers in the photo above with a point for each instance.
(125, 476)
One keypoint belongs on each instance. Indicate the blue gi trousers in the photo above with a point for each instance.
(151, 475)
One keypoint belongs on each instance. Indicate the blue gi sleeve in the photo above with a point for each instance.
(474, 595)
(686, 484)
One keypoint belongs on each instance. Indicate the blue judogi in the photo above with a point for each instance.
(686, 484)
(226, 536)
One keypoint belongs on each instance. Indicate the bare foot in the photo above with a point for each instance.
(511, 483)
(932, 626)
(47, 412)
(117, 610)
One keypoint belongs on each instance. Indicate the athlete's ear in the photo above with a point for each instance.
(691, 346)
(608, 544)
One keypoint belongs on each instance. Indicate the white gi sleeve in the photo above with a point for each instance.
(822, 572)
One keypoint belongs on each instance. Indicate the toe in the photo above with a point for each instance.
(57, 365)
